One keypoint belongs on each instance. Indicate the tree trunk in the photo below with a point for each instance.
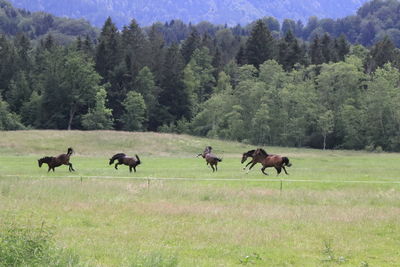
(71, 116)
(324, 141)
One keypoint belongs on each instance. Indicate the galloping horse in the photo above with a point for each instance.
(53, 162)
(210, 158)
(124, 160)
(254, 158)
(276, 161)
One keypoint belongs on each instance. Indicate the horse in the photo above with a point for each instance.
(210, 158)
(276, 161)
(254, 158)
(53, 162)
(124, 160)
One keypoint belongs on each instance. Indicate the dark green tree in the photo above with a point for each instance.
(108, 52)
(260, 46)
(381, 53)
(190, 44)
(316, 55)
(174, 99)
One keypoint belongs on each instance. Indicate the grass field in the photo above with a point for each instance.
(335, 207)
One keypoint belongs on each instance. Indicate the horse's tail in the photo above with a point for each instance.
(286, 161)
(116, 156)
(138, 159)
(70, 151)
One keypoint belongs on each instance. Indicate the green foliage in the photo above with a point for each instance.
(250, 259)
(100, 117)
(135, 111)
(32, 246)
(8, 120)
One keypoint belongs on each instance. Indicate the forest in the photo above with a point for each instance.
(326, 84)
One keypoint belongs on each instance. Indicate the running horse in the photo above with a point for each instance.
(254, 158)
(210, 158)
(124, 160)
(53, 162)
(276, 161)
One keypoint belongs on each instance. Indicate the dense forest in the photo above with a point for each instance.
(316, 85)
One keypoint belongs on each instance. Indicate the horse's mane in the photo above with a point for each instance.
(263, 151)
(250, 152)
(46, 159)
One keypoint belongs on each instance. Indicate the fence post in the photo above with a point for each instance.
(148, 184)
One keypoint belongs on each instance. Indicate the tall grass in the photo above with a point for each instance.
(32, 246)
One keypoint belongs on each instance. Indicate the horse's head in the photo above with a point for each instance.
(40, 163)
(138, 160)
(70, 151)
(247, 154)
(244, 158)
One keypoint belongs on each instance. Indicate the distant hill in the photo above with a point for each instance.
(230, 12)
(36, 25)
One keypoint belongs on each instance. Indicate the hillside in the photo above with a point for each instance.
(89, 143)
(214, 11)
(36, 25)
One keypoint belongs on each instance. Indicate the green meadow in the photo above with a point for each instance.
(335, 207)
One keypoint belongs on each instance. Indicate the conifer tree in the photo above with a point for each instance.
(174, 99)
(108, 50)
(190, 44)
(316, 55)
(260, 45)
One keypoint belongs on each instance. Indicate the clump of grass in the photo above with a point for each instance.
(155, 259)
(329, 255)
(32, 246)
(250, 259)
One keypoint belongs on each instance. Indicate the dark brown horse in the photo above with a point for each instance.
(276, 161)
(210, 158)
(254, 158)
(53, 162)
(124, 160)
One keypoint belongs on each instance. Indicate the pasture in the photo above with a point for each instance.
(335, 207)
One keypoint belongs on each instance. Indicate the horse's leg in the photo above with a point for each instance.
(212, 167)
(263, 170)
(284, 169)
(70, 167)
(49, 169)
(216, 167)
(278, 170)
(252, 165)
(134, 168)
(54, 169)
(130, 168)
(116, 166)
(248, 164)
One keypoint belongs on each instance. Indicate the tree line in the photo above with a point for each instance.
(259, 89)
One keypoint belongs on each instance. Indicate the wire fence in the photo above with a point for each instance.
(244, 180)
